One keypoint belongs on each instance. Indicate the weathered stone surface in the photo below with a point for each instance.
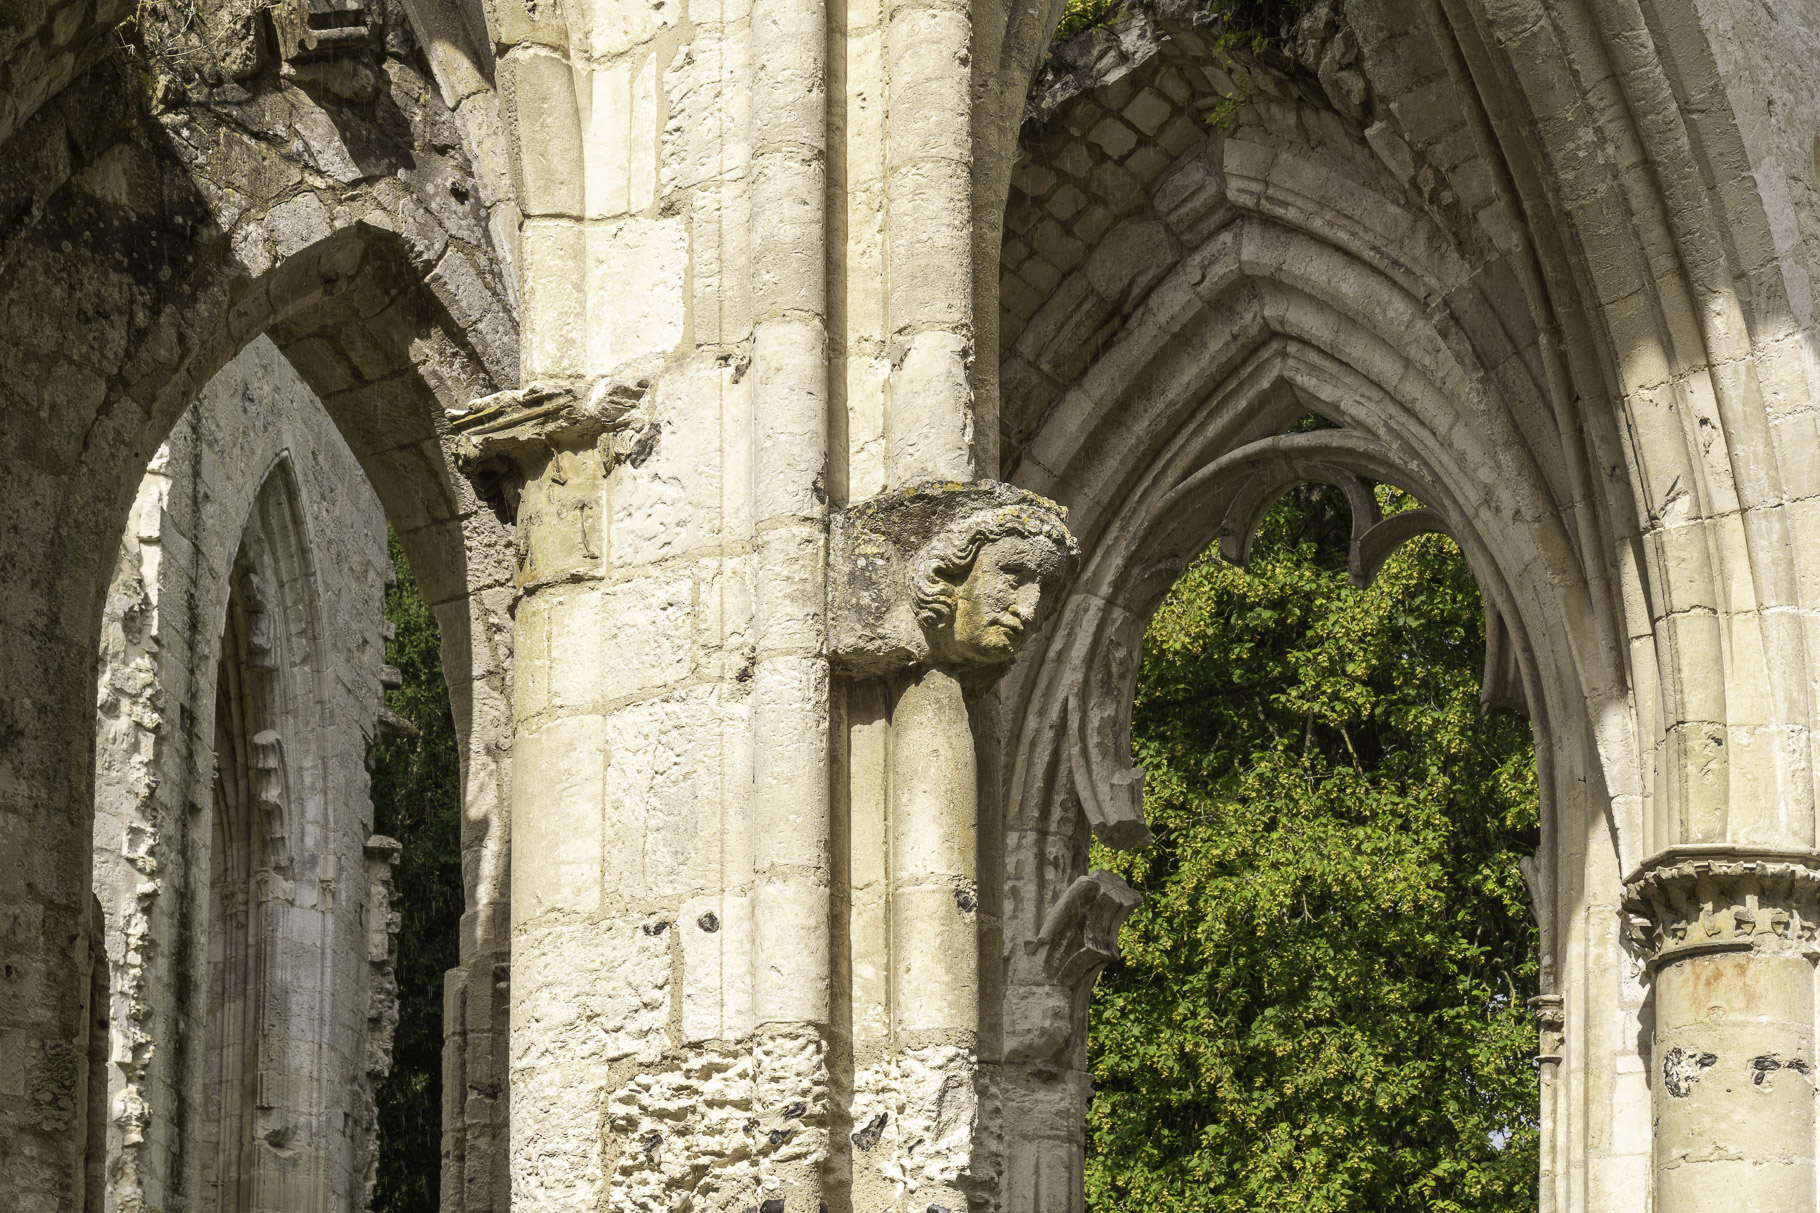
(894, 561)
(252, 457)
(800, 818)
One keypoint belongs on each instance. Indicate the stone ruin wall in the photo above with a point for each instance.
(1548, 260)
(256, 443)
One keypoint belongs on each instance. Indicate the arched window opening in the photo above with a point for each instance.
(417, 800)
(1322, 1002)
(247, 902)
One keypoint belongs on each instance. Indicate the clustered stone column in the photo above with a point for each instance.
(1729, 940)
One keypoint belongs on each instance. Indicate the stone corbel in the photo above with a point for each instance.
(269, 797)
(1080, 934)
(540, 455)
(1079, 937)
(260, 645)
(1701, 899)
(908, 576)
(331, 43)
(1111, 790)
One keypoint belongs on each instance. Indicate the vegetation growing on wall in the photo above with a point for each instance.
(417, 800)
(1243, 26)
(1321, 1003)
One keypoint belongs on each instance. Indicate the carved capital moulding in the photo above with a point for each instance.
(1694, 900)
(540, 455)
(1550, 1011)
(944, 573)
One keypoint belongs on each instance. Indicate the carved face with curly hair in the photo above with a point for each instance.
(988, 581)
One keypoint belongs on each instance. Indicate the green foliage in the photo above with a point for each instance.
(1086, 14)
(417, 800)
(1241, 28)
(1240, 25)
(1321, 1004)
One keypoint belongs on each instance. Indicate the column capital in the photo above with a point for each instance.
(1698, 899)
(510, 434)
(950, 574)
(1550, 1011)
(539, 455)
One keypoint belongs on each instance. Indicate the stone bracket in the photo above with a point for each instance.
(1078, 938)
(1550, 1011)
(1080, 933)
(1111, 791)
(877, 552)
(539, 455)
(316, 29)
(506, 436)
(332, 44)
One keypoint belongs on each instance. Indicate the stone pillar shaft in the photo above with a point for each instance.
(1551, 1022)
(1734, 1048)
(934, 811)
(1730, 941)
(790, 873)
(543, 453)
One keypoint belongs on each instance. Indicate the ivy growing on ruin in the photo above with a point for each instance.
(1320, 1006)
(417, 800)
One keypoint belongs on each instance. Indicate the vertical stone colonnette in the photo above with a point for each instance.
(933, 588)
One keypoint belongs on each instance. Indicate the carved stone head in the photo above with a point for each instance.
(989, 580)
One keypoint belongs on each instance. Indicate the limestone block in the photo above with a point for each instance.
(669, 495)
(554, 297)
(725, 647)
(718, 12)
(619, 137)
(790, 612)
(789, 373)
(925, 95)
(706, 135)
(930, 253)
(590, 993)
(609, 31)
(538, 88)
(635, 273)
(789, 959)
(720, 254)
(665, 811)
(717, 989)
(789, 735)
(297, 224)
(787, 229)
(559, 816)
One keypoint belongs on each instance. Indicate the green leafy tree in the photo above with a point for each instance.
(1321, 1003)
(417, 800)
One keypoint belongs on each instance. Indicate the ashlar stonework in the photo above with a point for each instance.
(794, 412)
